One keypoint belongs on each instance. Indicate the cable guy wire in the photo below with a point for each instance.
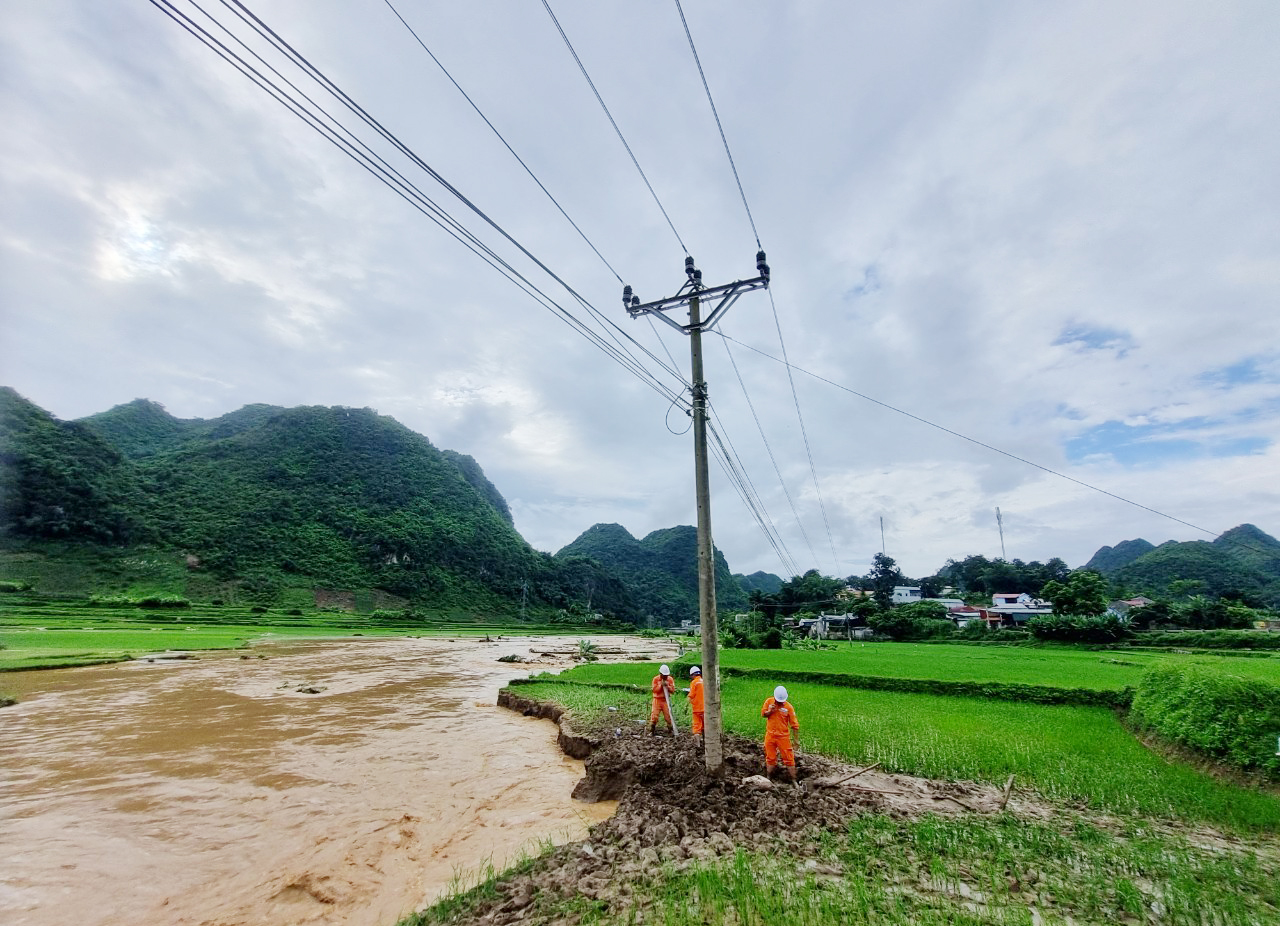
(972, 440)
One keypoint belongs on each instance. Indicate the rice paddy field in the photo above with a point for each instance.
(1122, 833)
(1057, 666)
(1051, 666)
(1082, 757)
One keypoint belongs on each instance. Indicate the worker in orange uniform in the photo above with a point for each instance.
(696, 701)
(780, 722)
(664, 686)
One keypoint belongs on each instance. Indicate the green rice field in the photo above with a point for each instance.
(1057, 666)
(1079, 756)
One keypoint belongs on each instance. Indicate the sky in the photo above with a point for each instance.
(1024, 256)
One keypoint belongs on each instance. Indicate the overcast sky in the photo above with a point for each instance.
(1051, 228)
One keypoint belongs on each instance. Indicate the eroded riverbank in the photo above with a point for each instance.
(215, 791)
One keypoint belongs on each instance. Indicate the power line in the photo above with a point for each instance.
(612, 122)
(751, 497)
(769, 449)
(526, 167)
(377, 166)
(822, 505)
(299, 60)
(804, 434)
(707, 87)
(972, 440)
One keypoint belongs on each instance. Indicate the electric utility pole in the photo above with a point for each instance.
(692, 294)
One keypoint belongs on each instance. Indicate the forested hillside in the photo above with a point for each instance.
(1108, 559)
(661, 570)
(335, 497)
(1243, 563)
(59, 480)
(765, 582)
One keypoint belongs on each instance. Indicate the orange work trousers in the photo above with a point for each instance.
(697, 722)
(776, 744)
(659, 712)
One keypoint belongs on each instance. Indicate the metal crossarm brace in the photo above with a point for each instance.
(730, 291)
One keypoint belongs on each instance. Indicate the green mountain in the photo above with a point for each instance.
(59, 480)
(765, 582)
(268, 497)
(660, 571)
(1108, 559)
(1243, 563)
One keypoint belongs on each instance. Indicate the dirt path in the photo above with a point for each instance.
(216, 791)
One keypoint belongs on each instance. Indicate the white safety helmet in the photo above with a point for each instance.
(780, 694)
(694, 670)
(665, 670)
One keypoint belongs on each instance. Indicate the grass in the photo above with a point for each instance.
(928, 872)
(936, 871)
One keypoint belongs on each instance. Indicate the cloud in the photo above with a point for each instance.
(1052, 232)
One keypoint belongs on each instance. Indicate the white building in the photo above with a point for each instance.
(906, 594)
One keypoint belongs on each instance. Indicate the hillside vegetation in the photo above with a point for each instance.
(1243, 564)
(661, 570)
(268, 498)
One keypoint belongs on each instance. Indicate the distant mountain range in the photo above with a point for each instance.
(266, 497)
(1242, 563)
(660, 571)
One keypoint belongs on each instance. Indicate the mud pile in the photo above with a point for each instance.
(672, 811)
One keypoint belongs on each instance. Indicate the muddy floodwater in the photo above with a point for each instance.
(217, 790)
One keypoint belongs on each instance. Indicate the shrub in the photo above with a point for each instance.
(900, 624)
(1075, 628)
(163, 601)
(1211, 639)
(8, 585)
(1232, 719)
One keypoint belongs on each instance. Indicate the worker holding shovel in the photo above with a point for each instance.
(780, 724)
(663, 687)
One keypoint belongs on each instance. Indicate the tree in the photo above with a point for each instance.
(1084, 593)
(884, 575)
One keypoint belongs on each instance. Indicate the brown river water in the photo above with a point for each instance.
(211, 791)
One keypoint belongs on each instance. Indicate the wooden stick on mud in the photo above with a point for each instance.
(1008, 789)
(855, 774)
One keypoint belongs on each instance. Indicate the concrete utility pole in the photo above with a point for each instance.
(692, 294)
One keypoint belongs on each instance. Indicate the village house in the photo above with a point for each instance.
(906, 594)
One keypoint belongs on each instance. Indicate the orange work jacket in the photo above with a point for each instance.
(780, 719)
(657, 686)
(696, 695)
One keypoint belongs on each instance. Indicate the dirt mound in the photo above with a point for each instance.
(672, 811)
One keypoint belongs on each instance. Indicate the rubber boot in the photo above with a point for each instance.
(791, 773)
(697, 740)
(653, 729)
(768, 771)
